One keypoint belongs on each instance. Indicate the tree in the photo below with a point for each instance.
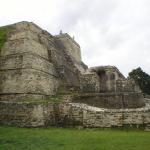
(142, 79)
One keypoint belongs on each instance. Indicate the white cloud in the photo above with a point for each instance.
(110, 32)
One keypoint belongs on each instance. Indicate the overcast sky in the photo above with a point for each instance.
(110, 32)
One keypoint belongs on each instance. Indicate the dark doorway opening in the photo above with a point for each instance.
(103, 78)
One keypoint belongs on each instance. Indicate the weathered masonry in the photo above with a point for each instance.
(43, 81)
(32, 62)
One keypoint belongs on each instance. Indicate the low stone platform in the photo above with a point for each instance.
(111, 100)
(42, 114)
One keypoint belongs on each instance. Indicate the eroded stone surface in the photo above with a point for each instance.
(34, 65)
(71, 114)
(34, 62)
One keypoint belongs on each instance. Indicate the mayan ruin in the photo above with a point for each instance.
(43, 82)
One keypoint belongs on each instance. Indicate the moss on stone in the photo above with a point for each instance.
(3, 35)
(66, 91)
(53, 99)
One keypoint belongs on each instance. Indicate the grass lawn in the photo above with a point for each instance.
(13, 138)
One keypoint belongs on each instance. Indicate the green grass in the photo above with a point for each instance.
(3, 35)
(12, 138)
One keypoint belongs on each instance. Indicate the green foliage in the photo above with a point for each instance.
(13, 138)
(142, 79)
(53, 99)
(3, 36)
(66, 90)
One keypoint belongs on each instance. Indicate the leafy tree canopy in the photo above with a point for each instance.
(142, 79)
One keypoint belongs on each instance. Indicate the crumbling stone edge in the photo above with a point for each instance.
(66, 114)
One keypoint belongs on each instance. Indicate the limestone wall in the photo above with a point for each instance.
(87, 116)
(34, 62)
(25, 67)
(111, 100)
(70, 46)
(27, 61)
(26, 114)
(31, 114)
(27, 81)
(67, 70)
(108, 79)
(127, 85)
(89, 82)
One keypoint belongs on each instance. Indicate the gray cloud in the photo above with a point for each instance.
(110, 32)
